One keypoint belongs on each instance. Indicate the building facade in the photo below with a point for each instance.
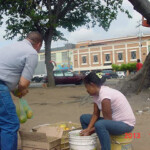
(62, 56)
(95, 55)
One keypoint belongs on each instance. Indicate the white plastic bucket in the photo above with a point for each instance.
(78, 142)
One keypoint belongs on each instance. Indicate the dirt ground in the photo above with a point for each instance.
(68, 103)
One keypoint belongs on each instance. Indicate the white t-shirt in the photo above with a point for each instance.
(16, 60)
(121, 109)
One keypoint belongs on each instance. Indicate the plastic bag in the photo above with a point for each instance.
(21, 112)
(27, 109)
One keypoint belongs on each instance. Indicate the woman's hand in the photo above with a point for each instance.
(85, 132)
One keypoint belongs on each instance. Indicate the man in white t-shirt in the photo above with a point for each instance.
(118, 117)
(17, 64)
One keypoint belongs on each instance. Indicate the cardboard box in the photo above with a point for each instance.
(49, 139)
(63, 134)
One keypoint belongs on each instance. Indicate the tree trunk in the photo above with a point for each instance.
(49, 66)
(143, 7)
(135, 83)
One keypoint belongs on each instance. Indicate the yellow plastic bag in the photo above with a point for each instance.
(21, 112)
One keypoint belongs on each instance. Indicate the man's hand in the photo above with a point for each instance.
(22, 87)
(20, 94)
(23, 93)
(85, 132)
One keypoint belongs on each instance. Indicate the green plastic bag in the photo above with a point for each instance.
(21, 112)
(27, 109)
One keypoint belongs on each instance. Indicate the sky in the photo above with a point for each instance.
(121, 27)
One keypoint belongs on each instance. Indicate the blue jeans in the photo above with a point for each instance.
(104, 128)
(9, 122)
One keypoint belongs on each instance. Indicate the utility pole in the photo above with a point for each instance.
(140, 38)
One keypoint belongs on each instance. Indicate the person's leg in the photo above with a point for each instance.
(103, 135)
(9, 122)
(117, 127)
(0, 139)
(85, 120)
(104, 128)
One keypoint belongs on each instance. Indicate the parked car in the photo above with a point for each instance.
(109, 74)
(86, 73)
(39, 75)
(121, 74)
(66, 77)
(38, 78)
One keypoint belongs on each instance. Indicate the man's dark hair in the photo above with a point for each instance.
(93, 78)
(35, 37)
(138, 60)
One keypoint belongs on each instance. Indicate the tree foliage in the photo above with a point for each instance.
(115, 67)
(48, 16)
(27, 15)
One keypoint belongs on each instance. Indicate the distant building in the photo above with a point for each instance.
(63, 57)
(96, 55)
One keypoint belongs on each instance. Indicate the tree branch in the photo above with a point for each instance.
(143, 7)
(69, 7)
(58, 7)
(39, 28)
(48, 5)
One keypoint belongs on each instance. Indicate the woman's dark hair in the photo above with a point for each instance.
(94, 78)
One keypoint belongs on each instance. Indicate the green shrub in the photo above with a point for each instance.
(131, 66)
(115, 67)
(124, 67)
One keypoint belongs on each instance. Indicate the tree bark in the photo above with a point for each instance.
(49, 66)
(143, 7)
(135, 83)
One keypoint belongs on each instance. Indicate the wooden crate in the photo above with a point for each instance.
(34, 140)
